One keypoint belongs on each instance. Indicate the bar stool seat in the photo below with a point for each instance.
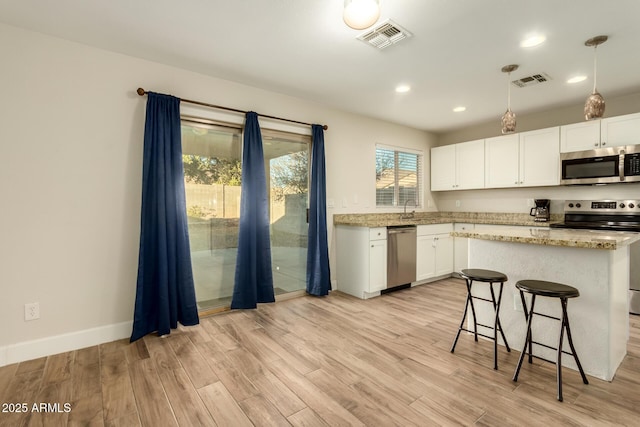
(487, 276)
(552, 290)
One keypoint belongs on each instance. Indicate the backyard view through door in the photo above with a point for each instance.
(213, 173)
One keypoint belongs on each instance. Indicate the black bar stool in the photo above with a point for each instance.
(553, 290)
(491, 277)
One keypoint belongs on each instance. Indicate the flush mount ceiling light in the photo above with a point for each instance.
(403, 89)
(509, 117)
(533, 40)
(361, 14)
(577, 79)
(594, 107)
(459, 109)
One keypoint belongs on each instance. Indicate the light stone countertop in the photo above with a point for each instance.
(426, 218)
(588, 239)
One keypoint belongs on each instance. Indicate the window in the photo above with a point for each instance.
(398, 177)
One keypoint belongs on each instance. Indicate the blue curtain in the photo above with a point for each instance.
(318, 274)
(254, 278)
(165, 293)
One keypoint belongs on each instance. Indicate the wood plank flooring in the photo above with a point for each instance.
(312, 361)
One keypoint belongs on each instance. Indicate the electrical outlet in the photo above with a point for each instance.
(517, 302)
(32, 311)
(457, 203)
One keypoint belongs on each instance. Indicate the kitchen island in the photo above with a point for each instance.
(594, 262)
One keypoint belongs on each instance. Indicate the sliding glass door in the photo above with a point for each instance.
(287, 158)
(212, 157)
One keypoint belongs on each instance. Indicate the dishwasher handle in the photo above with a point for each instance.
(400, 230)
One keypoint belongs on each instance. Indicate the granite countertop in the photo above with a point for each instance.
(426, 218)
(588, 239)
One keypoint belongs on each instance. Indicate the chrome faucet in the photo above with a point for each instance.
(411, 214)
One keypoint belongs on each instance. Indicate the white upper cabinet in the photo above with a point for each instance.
(458, 166)
(527, 159)
(580, 136)
(609, 132)
(540, 157)
(502, 161)
(620, 130)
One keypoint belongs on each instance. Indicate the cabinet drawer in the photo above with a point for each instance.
(434, 229)
(378, 233)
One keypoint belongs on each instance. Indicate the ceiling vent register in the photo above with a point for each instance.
(532, 80)
(384, 35)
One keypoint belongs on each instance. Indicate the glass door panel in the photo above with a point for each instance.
(287, 166)
(211, 158)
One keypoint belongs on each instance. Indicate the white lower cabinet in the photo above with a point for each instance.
(461, 247)
(362, 260)
(434, 252)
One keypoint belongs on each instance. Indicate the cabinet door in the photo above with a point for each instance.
(580, 136)
(444, 254)
(502, 156)
(461, 248)
(425, 257)
(470, 165)
(377, 265)
(443, 168)
(540, 157)
(620, 130)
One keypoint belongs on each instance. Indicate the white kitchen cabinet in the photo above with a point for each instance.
(580, 136)
(620, 130)
(461, 247)
(362, 254)
(458, 166)
(603, 133)
(527, 159)
(434, 252)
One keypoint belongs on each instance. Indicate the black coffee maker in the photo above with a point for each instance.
(541, 211)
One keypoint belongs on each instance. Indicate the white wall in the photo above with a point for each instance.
(519, 199)
(70, 179)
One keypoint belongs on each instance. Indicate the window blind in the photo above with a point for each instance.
(398, 177)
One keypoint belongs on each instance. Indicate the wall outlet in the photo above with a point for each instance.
(458, 203)
(32, 311)
(429, 203)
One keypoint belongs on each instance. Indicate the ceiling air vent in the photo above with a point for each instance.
(384, 35)
(532, 80)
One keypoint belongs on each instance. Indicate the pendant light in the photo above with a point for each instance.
(509, 117)
(594, 107)
(361, 14)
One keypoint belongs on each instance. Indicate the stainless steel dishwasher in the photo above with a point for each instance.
(401, 255)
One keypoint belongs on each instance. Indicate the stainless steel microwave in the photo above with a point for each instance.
(601, 166)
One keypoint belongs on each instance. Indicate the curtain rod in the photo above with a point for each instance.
(143, 92)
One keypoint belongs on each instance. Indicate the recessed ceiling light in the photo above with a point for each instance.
(577, 79)
(403, 88)
(459, 109)
(532, 41)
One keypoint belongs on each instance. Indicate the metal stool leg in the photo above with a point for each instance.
(573, 349)
(464, 315)
(559, 351)
(504, 339)
(527, 340)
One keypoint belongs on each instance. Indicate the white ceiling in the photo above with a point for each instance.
(302, 48)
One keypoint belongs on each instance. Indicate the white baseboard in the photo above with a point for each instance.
(28, 350)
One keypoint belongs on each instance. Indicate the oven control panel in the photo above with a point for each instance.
(603, 206)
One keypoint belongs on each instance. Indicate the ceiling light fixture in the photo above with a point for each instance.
(577, 79)
(459, 109)
(594, 107)
(533, 41)
(403, 88)
(361, 14)
(509, 117)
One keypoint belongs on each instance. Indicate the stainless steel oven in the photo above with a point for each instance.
(601, 166)
(609, 215)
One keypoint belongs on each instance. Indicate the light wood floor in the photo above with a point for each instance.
(318, 362)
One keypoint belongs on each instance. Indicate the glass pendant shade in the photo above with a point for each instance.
(594, 106)
(509, 117)
(361, 14)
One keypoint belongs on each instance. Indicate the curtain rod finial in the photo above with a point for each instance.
(141, 91)
(325, 127)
